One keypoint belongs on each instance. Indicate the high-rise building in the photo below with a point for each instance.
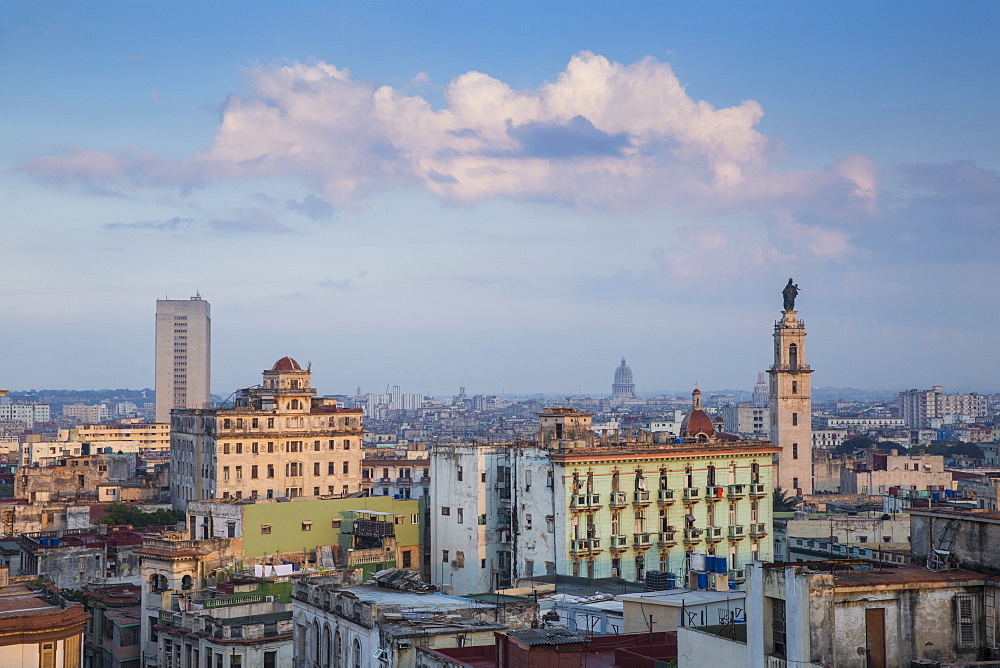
(623, 387)
(761, 395)
(279, 440)
(183, 355)
(791, 405)
(919, 407)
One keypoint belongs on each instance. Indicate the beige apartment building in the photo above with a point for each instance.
(183, 355)
(147, 436)
(277, 440)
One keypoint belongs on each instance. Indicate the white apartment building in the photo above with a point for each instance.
(471, 517)
(866, 424)
(746, 420)
(918, 407)
(29, 414)
(183, 355)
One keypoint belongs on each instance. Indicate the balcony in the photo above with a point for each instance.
(665, 497)
(666, 539)
(583, 546)
(736, 491)
(737, 575)
(714, 492)
(581, 502)
(642, 540)
(618, 500)
(619, 542)
(692, 536)
(692, 495)
(758, 530)
(736, 532)
(713, 534)
(757, 490)
(641, 498)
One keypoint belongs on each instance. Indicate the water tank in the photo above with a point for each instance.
(671, 580)
(721, 565)
(53, 542)
(698, 561)
(702, 580)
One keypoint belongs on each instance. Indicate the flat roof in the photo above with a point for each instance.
(904, 576)
(414, 602)
(679, 597)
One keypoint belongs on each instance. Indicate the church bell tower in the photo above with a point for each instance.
(791, 399)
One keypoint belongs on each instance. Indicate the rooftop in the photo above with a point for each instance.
(681, 597)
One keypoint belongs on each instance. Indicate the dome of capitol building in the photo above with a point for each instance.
(623, 386)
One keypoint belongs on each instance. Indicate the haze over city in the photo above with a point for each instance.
(503, 196)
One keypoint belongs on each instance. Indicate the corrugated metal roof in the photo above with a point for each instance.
(547, 637)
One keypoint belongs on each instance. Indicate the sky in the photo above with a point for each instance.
(505, 196)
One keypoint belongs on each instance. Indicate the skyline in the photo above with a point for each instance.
(507, 199)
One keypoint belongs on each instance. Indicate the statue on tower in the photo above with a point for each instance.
(789, 294)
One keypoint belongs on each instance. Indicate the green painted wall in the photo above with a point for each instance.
(286, 523)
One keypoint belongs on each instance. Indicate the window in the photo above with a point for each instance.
(460, 471)
(329, 468)
(225, 473)
(444, 556)
(778, 625)
(253, 471)
(307, 525)
(399, 519)
(316, 446)
(253, 448)
(965, 616)
(347, 444)
(461, 515)
(270, 425)
(527, 521)
(270, 660)
(795, 450)
(795, 419)
(407, 559)
(347, 468)
(270, 444)
(414, 518)
(225, 448)
(265, 529)
(255, 423)
(550, 523)
(445, 510)
(482, 476)
(795, 387)
(239, 472)
(270, 471)
(315, 468)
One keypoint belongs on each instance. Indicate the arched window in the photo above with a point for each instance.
(793, 356)
(294, 404)
(316, 639)
(338, 649)
(688, 477)
(327, 646)
(615, 481)
(711, 474)
(157, 583)
(186, 582)
(357, 653)
(755, 473)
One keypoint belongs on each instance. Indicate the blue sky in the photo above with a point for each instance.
(504, 196)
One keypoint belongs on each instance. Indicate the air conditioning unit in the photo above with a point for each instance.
(403, 644)
(614, 572)
(269, 599)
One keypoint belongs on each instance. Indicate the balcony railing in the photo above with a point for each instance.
(757, 489)
(619, 542)
(666, 539)
(692, 535)
(714, 492)
(757, 530)
(692, 495)
(642, 540)
(713, 534)
(585, 502)
(665, 496)
(641, 498)
(583, 546)
(736, 491)
(736, 532)
(618, 500)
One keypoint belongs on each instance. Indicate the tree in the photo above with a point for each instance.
(781, 502)
(119, 514)
(853, 444)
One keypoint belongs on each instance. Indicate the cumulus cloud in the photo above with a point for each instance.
(312, 206)
(602, 133)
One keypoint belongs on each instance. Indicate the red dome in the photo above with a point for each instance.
(697, 422)
(286, 364)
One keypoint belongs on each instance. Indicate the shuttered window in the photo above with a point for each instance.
(965, 616)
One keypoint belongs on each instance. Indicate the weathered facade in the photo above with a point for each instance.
(856, 619)
(279, 440)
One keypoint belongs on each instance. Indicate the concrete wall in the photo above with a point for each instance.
(698, 649)
(975, 546)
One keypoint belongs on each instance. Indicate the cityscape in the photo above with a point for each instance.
(444, 335)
